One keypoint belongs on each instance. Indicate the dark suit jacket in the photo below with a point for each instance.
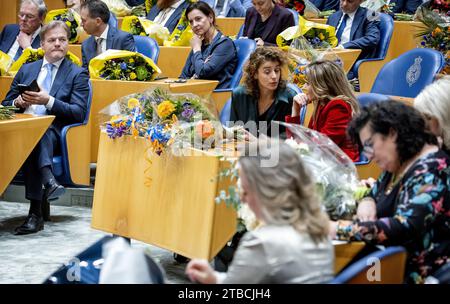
(215, 62)
(280, 20)
(365, 33)
(173, 20)
(8, 37)
(70, 90)
(326, 5)
(408, 6)
(117, 40)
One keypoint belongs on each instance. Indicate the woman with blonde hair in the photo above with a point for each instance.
(334, 104)
(292, 245)
(434, 103)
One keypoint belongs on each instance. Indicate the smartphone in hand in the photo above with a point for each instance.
(33, 86)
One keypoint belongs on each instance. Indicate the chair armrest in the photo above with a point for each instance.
(368, 70)
(75, 150)
(220, 97)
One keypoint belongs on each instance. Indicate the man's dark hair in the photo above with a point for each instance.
(97, 9)
(388, 116)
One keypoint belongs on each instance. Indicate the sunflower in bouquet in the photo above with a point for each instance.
(71, 18)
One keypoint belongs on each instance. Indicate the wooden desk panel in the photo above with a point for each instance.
(18, 137)
(172, 59)
(186, 221)
(8, 12)
(230, 26)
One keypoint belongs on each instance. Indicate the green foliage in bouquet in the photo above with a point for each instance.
(130, 68)
(7, 112)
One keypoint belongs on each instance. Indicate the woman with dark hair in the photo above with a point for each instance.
(213, 54)
(263, 97)
(334, 103)
(265, 20)
(409, 205)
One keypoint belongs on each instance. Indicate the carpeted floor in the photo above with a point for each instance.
(32, 258)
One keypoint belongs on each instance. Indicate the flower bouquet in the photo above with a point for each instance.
(435, 34)
(31, 55)
(69, 17)
(123, 65)
(5, 63)
(182, 34)
(7, 112)
(297, 5)
(161, 117)
(320, 36)
(149, 4)
(118, 7)
(145, 27)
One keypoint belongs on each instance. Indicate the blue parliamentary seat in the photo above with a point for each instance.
(147, 46)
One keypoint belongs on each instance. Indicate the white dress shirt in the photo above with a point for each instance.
(104, 36)
(348, 27)
(42, 75)
(15, 47)
(165, 14)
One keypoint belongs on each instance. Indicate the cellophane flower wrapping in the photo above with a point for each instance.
(319, 35)
(300, 54)
(118, 7)
(163, 118)
(144, 27)
(123, 65)
(332, 170)
(5, 63)
(182, 34)
(71, 18)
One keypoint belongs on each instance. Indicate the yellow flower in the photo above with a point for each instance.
(133, 103)
(132, 76)
(131, 60)
(321, 36)
(143, 34)
(69, 24)
(165, 108)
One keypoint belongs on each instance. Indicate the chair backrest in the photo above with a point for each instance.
(295, 13)
(244, 47)
(408, 74)
(241, 32)
(366, 99)
(147, 46)
(303, 109)
(380, 267)
(386, 30)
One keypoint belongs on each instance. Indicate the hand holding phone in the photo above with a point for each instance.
(33, 87)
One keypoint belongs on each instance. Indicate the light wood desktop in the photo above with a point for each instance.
(18, 137)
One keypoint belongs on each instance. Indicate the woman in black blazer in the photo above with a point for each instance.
(265, 20)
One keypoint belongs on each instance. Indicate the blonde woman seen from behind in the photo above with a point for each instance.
(292, 245)
(434, 103)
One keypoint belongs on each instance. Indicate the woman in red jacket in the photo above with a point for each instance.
(334, 104)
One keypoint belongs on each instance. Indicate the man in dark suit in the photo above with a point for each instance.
(168, 12)
(356, 27)
(407, 6)
(94, 19)
(326, 5)
(64, 94)
(17, 37)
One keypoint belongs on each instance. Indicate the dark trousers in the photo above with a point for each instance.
(41, 156)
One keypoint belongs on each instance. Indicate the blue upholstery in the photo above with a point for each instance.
(362, 265)
(147, 46)
(241, 32)
(244, 48)
(226, 110)
(366, 99)
(61, 168)
(409, 74)
(386, 30)
(90, 262)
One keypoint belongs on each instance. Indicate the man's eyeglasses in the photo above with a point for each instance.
(26, 16)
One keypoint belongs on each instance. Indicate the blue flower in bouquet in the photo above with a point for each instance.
(115, 131)
(123, 66)
(188, 111)
(159, 137)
